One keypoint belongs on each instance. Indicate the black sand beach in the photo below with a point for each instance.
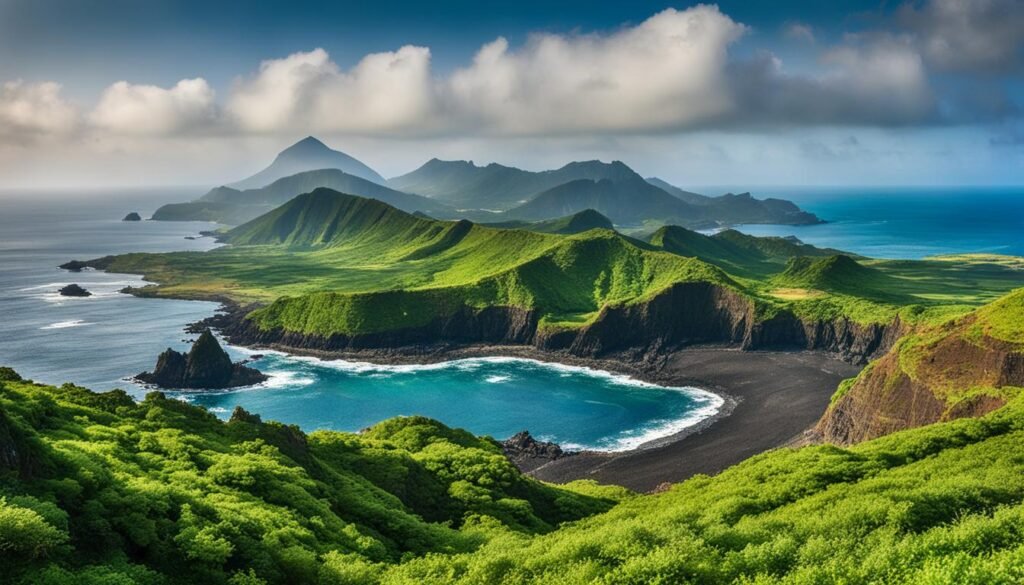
(777, 395)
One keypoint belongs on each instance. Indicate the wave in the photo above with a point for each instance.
(65, 324)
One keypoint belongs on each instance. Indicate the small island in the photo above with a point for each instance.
(133, 216)
(206, 366)
(74, 290)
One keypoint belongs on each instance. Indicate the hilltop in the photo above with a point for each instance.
(308, 154)
(581, 221)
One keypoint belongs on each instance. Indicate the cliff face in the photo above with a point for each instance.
(925, 379)
(686, 313)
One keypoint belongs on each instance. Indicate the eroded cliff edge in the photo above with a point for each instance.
(963, 368)
(683, 314)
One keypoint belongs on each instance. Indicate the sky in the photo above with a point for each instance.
(868, 92)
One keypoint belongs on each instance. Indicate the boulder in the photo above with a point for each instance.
(73, 290)
(528, 453)
(206, 366)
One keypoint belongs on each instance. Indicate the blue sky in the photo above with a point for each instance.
(786, 92)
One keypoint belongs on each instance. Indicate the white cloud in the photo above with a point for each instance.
(32, 110)
(665, 73)
(150, 110)
(384, 92)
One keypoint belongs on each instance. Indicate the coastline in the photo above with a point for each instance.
(769, 398)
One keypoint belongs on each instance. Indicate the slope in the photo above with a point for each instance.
(306, 155)
(233, 207)
(966, 366)
(733, 251)
(627, 201)
(581, 221)
(495, 186)
(101, 489)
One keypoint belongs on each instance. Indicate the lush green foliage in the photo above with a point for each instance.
(332, 263)
(102, 489)
(98, 488)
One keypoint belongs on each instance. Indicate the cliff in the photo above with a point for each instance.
(205, 366)
(683, 314)
(966, 367)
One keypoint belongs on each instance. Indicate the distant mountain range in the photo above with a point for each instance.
(491, 194)
(233, 207)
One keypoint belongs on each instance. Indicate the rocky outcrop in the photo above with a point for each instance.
(923, 382)
(528, 453)
(79, 265)
(206, 366)
(133, 216)
(683, 314)
(73, 290)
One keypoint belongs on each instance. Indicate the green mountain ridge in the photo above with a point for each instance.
(233, 207)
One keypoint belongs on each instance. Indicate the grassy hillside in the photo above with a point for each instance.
(95, 488)
(578, 222)
(963, 366)
(360, 266)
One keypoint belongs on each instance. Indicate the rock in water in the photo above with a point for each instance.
(207, 366)
(73, 290)
(133, 216)
(528, 453)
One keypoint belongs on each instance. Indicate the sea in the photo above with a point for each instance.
(101, 341)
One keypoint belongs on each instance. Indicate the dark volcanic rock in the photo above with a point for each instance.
(529, 453)
(78, 265)
(73, 290)
(206, 366)
(133, 216)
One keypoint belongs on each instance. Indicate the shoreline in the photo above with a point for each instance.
(770, 397)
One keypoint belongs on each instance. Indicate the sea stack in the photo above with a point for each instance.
(73, 290)
(133, 216)
(206, 366)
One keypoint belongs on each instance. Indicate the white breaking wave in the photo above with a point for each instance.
(65, 324)
(665, 428)
(497, 379)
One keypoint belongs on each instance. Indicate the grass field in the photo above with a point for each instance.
(374, 267)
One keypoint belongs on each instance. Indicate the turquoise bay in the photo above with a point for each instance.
(498, 396)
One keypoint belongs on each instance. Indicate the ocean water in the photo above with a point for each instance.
(102, 340)
(906, 222)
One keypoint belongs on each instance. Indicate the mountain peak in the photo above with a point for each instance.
(305, 147)
(308, 154)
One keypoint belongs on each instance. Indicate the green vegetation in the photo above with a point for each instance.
(588, 219)
(331, 263)
(96, 488)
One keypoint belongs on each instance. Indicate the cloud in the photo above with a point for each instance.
(384, 92)
(797, 31)
(969, 35)
(29, 111)
(667, 72)
(150, 110)
(882, 82)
